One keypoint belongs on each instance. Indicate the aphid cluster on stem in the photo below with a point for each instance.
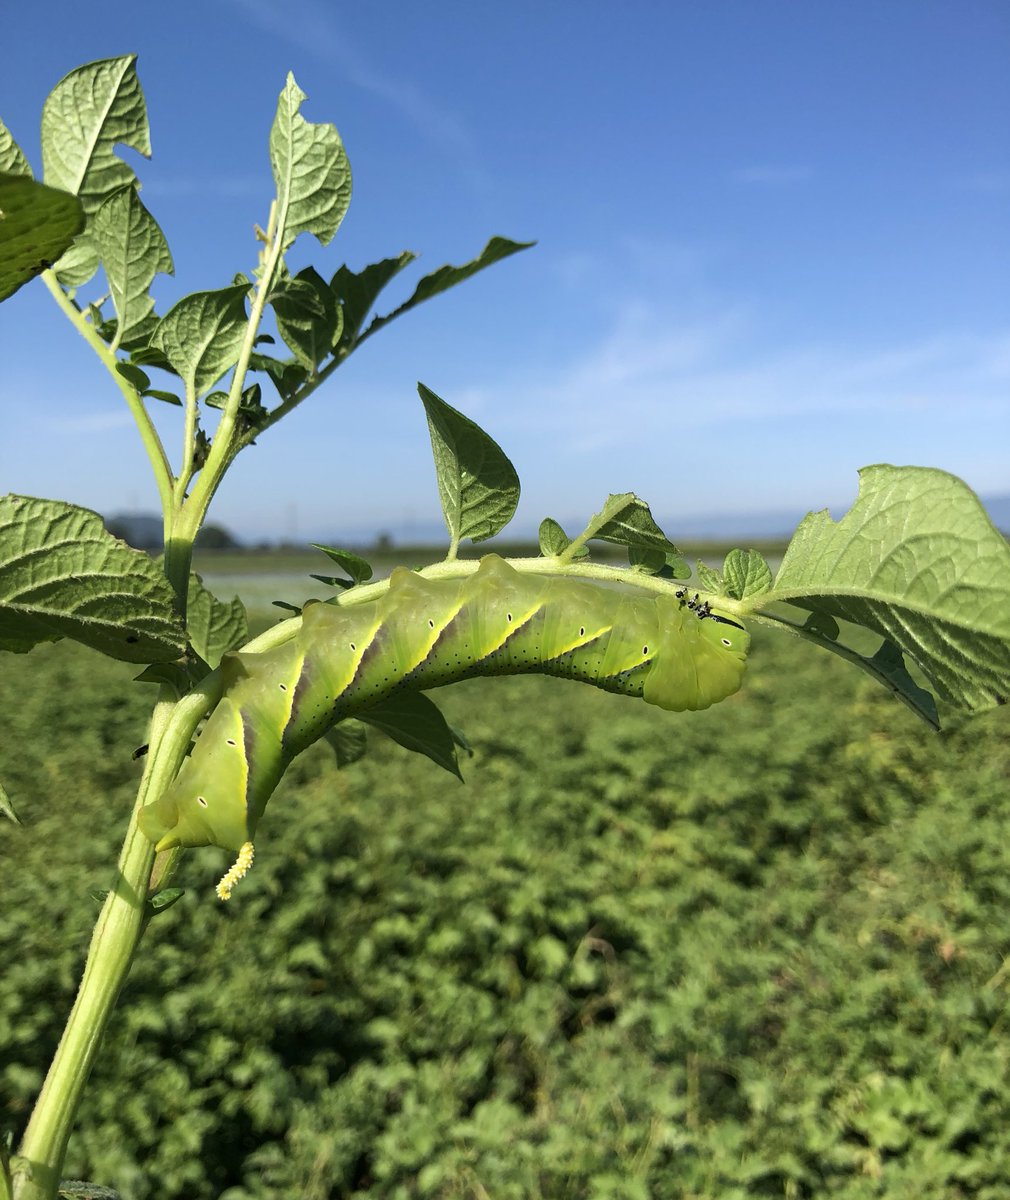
(702, 608)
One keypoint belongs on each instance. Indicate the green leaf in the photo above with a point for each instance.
(37, 224)
(478, 486)
(359, 569)
(626, 520)
(287, 375)
(357, 293)
(554, 540)
(215, 626)
(80, 1189)
(655, 562)
(823, 625)
(308, 317)
(917, 560)
(134, 376)
(6, 807)
(179, 676)
(708, 579)
(12, 160)
(746, 574)
(892, 672)
(79, 264)
(249, 404)
(333, 581)
(202, 335)
(349, 741)
(133, 251)
(415, 722)
(151, 356)
(448, 276)
(162, 901)
(62, 574)
(886, 666)
(311, 171)
(461, 740)
(85, 116)
(165, 397)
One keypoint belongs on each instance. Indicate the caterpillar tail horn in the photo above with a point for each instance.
(237, 871)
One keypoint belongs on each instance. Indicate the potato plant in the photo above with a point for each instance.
(911, 586)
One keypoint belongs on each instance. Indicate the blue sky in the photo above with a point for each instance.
(773, 246)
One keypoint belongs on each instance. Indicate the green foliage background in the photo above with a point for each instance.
(751, 952)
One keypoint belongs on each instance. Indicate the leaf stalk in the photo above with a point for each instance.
(148, 434)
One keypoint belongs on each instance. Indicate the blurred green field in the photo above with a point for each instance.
(754, 952)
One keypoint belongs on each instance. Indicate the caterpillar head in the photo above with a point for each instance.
(724, 633)
(700, 660)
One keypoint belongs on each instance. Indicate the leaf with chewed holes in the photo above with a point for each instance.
(917, 560)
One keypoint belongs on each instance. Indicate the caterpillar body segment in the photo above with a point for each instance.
(422, 634)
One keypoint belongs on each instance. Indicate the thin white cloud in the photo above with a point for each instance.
(672, 259)
(771, 174)
(577, 269)
(94, 422)
(639, 351)
(312, 27)
(640, 262)
(663, 375)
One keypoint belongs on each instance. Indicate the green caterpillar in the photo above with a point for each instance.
(671, 650)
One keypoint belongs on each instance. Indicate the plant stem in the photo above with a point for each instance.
(5, 1177)
(178, 560)
(117, 933)
(224, 445)
(148, 433)
(36, 1170)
